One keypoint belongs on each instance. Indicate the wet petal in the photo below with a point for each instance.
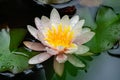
(75, 61)
(78, 27)
(74, 20)
(61, 58)
(73, 48)
(45, 21)
(83, 38)
(81, 50)
(34, 46)
(39, 58)
(65, 20)
(58, 67)
(51, 51)
(55, 17)
(38, 23)
(41, 38)
(33, 31)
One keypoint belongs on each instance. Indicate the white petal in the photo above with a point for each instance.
(41, 37)
(82, 49)
(39, 58)
(78, 27)
(87, 54)
(38, 23)
(65, 20)
(45, 21)
(61, 58)
(74, 20)
(83, 38)
(33, 31)
(55, 17)
(34, 46)
(85, 30)
(51, 51)
(58, 67)
(72, 49)
(75, 61)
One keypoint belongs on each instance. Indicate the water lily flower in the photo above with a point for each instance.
(61, 38)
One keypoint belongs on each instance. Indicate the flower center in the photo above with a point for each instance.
(60, 36)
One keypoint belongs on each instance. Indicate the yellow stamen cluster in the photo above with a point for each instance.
(60, 36)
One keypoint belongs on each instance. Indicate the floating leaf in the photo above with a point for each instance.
(107, 31)
(9, 60)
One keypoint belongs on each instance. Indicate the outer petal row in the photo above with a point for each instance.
(33, 31)
(83, 38)
(34, 46)
(39, 58)
(75, 61)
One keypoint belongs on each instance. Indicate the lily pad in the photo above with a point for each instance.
(107, 31)
(9, 60)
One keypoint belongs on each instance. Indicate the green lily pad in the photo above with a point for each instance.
(107, 31)
(9, 60)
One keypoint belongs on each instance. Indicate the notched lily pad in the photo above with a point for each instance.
(107, 31)
(9, 61)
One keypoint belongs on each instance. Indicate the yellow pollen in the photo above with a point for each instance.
(60, 36)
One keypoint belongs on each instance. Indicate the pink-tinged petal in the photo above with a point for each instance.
(81, 50)
(54, 17)
(51, 51)
(33, 31)
(83, 38)
(38, 23)
(74, 20)
(45, 21)
(58, 67)
(65, 20)
(34, 46)
(73, 48)
(75, 61)
(78, 27)
(61, 58)
(39, 58)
